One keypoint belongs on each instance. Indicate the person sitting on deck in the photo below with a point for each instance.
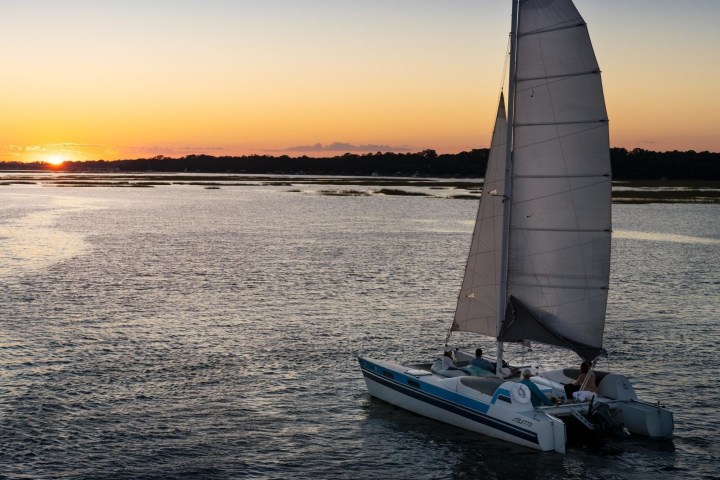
(488, 366)
(445, 366)
(576, 385)
(480, 362)
(537, 397)
(447, 360)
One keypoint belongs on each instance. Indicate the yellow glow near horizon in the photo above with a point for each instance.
(55, 159)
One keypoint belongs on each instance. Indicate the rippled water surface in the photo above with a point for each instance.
(182, 332)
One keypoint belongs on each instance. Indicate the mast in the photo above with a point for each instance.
(508, 184)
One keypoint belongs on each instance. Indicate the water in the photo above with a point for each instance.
(181, 332)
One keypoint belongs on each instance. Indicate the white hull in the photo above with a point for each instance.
(498, 411)
(450, 401)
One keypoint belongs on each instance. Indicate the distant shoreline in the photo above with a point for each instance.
(636, 164)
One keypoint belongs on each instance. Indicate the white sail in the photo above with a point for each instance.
(559, 238)
(559, 250)
(478, 300)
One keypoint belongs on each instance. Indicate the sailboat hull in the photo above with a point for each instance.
(496, 409)
(454, 401)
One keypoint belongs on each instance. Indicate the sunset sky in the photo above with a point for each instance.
(97, 79)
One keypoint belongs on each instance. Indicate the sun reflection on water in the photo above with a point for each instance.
(664, 237)
(33, 241)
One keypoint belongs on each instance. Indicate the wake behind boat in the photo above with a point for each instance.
(539, 262)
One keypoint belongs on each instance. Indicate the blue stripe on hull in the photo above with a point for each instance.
(451, 407)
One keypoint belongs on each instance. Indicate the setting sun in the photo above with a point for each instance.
(55, 160)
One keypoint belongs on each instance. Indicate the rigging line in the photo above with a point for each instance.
(587, 376)
(505, 68)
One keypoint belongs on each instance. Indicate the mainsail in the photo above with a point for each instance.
(559, 239)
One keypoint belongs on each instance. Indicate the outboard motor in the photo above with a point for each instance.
(604, 419)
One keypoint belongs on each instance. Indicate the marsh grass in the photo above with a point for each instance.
(108, 184)
(667, 196)
(636, 191)
(211, 184)
(395, 191)
(382, 191)
(344, 193)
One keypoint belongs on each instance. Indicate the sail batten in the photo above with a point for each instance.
(590, 175)
(566, 122)
(551, 29)
(564, 75)
(561, 287)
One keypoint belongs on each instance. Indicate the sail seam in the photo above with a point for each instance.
(560, 75)
(560, 137)
(558, 275)
(569, 122)
(552, 29)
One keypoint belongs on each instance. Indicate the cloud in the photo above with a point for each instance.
(66, 151)
(202, 149)
(348, 147)
(169, 151)
(55, 147)
(24, 148)
(75, 145)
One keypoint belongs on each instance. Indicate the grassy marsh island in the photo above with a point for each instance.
(624, 191)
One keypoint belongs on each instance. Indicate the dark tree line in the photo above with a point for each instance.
(626, 164)
(425, 163)
(639, 164)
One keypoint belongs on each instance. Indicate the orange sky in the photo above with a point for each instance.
(104, 80)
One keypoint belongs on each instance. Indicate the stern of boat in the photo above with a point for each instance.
(626, 413)
(646, 419)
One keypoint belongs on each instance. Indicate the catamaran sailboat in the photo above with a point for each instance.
(539, 262)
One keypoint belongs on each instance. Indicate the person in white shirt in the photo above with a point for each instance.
(447, 360)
